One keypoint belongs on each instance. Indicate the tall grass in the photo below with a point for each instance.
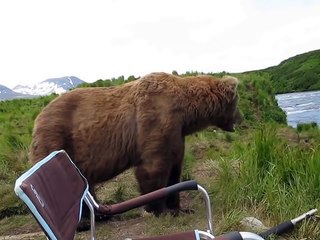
(13, 161)
(189, 160)
(268, 174)
(16, 124)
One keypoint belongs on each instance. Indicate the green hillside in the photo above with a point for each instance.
(297, 74)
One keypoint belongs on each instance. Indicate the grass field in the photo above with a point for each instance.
(271, 173)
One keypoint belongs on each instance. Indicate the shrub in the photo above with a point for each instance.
(306, 126)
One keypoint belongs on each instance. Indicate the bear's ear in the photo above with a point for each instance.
(231, 85)
(232, 81)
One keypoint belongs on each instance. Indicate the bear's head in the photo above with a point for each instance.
(229, 115)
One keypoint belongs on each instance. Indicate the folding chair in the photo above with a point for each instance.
(54, 190)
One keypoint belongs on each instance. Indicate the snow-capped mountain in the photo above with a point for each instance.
(51, 85)
(7, 93)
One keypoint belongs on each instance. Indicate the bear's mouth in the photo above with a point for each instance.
(233, 127)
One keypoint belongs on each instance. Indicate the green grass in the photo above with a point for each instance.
(11, 224)
(265, 176)
(189, 160)
(15, 135)
(268, 174)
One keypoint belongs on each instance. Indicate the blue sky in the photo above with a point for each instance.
(101, 39)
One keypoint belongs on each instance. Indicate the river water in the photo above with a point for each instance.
(301, 107)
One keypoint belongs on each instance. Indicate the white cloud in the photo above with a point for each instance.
(107, 38)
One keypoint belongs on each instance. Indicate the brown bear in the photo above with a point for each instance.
(141, 124)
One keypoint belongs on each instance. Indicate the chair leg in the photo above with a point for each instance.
(208, 208)
(88, 201)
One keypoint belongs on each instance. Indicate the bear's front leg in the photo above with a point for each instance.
(176, 155)
(173, 201)
(151, 176)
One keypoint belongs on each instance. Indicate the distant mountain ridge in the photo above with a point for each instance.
(7, 94)
(51, 85)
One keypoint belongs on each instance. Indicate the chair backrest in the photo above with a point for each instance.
(54, 190)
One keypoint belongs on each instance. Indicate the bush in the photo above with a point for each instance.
(306, 126)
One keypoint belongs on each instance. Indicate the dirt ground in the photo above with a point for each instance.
(131, 225)
(120, 230)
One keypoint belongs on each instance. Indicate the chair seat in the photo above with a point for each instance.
(54, 190)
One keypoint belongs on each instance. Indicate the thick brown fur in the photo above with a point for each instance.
(140, 124)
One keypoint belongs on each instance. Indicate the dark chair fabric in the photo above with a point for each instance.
(54, 189)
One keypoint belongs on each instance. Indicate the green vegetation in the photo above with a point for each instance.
(16, 126)
(306, 126)
(271, 173)
(277, 175)
(265, 169)
(296, 74)
(110, 82)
